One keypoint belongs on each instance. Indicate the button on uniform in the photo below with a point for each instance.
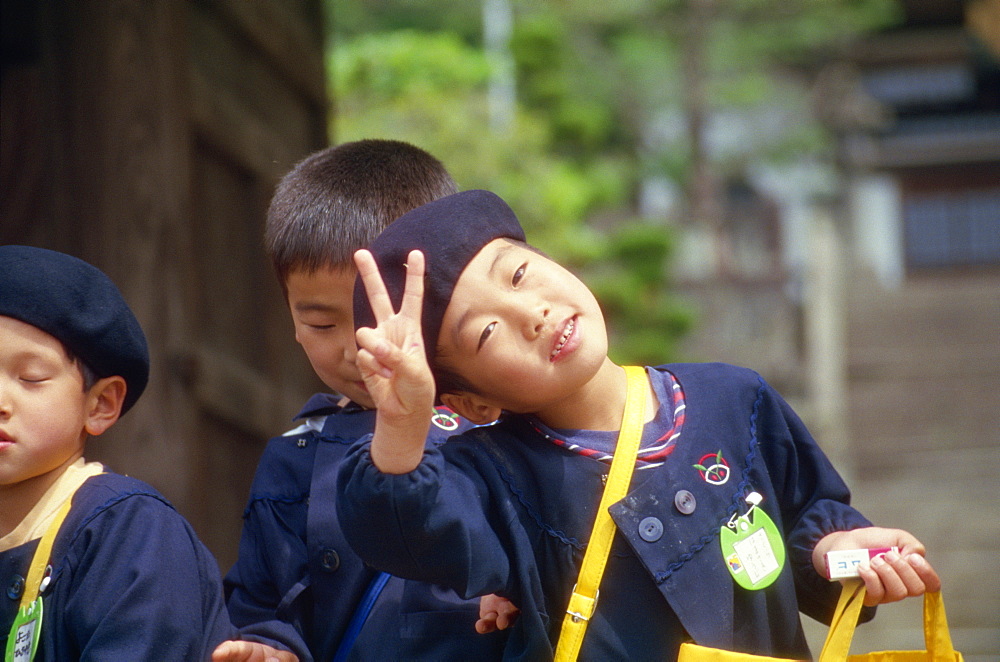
(330, 560)
(15, 589)
(685, 502)
(650, 529)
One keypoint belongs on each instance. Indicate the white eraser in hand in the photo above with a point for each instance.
(844, 563)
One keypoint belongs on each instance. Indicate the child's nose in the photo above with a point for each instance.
(350, 350)
(537, 319)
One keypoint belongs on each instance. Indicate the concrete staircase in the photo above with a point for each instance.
(923, 373)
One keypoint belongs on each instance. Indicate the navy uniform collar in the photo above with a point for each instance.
(324, 404)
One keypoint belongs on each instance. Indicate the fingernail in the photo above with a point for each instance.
(891, 557)
(877, 561)
(916, 560)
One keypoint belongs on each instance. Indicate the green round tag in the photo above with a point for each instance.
(753, 549)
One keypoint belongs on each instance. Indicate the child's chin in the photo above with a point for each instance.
(362, 397)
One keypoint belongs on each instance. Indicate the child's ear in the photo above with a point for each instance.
(471, 407)
(104, 404)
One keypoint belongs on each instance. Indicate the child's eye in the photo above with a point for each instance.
(321, 327)
(486, 334)
(519, 274)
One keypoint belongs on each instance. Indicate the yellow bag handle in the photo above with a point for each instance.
(937, 638)
(838, 640)
(583, 601)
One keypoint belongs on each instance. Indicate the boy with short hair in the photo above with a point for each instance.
(297, 581)
(497, 330)
(96, 565)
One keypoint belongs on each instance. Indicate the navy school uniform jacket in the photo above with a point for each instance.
(130, 581)
(502, 510)
(298, 583)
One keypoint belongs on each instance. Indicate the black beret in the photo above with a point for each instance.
(450, 232)
(79, 305)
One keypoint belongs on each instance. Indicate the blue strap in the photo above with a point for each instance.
(360, 616)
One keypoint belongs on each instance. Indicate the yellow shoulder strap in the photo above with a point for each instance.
(583, 602)
(40, 560)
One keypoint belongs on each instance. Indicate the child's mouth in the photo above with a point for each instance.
(564, 338)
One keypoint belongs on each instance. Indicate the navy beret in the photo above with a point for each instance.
(450, 231)
(77, 304)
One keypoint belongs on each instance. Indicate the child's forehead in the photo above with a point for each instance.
(302, 270)
(318, 278)
(29, 341)
(494, 254)
(331, 284)
(491, 257)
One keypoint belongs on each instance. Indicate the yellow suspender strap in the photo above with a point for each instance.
(583, 602)
(40, 560)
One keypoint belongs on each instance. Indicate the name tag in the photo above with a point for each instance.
(752, 547)
(22, 643)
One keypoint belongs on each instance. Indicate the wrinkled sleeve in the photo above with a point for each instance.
(814, 500)
(143, 587)
(440, 523)
(271, 555)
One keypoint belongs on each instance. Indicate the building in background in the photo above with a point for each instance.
(869, 292)
(925, 184)
(922, 301)
(147, 137)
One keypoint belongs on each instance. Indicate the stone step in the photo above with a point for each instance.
(945, 498)
(925, 314)
(923, 369)
(889, 417)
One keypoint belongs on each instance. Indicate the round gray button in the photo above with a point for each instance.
(685, 502)
(650, 529)
(16, 587)
(330, 560)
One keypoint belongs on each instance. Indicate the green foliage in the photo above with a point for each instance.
(645, 318)
(600, 107)
(554, 79)
(431, 89)
(379, 67)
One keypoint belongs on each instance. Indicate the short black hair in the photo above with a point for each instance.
(89, 376)
(447, 379)
(337, 200)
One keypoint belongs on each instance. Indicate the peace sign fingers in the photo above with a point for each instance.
(378, 296)
(413, 292)
(391, 356)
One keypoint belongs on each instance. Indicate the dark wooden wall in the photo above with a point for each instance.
(146, 137)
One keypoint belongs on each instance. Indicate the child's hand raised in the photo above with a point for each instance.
(392, 362)
(890, 577)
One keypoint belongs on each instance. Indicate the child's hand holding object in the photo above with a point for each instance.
(888, 577)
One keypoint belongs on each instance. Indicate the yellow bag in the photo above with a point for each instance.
(838, 640)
